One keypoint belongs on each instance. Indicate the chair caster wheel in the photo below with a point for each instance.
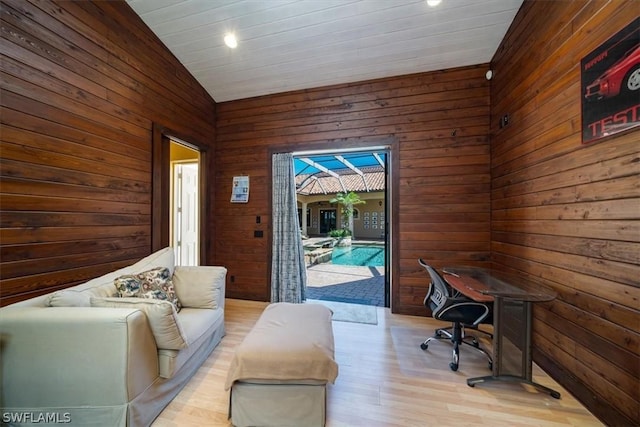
(555, 395)
(424, 346)
(453, 366)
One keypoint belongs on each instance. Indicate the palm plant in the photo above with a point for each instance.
(346, 202)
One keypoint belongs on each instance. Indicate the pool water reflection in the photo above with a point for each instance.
(365, 256)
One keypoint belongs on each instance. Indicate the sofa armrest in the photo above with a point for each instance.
(201, 286)
(74, 357)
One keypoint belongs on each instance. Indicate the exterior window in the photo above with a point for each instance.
(308, 217)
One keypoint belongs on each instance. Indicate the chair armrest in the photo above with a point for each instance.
(75, 356)
(201, 286)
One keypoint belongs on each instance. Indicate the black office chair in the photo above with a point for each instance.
(448, 305)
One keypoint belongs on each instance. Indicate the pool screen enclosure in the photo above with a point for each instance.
(364, 171)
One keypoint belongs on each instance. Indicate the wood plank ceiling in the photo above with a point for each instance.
(286, 45)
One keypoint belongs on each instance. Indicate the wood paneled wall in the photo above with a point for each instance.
(438, 123)
(82, 84)
(568, 212)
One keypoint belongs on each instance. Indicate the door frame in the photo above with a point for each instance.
(161, 188)
(321, 210)
(392, 215)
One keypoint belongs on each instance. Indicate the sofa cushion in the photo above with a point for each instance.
(199, 287)
(80, 298)
(200, 327)
(70, 298)
(161, 315)
(152, 284)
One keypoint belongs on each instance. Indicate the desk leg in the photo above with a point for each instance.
(512, 313)
(471, 382)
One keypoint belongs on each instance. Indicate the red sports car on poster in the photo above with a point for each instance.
(622, 77)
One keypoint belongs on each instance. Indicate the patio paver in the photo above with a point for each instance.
(346, 283)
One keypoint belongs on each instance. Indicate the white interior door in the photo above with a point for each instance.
(185, 213)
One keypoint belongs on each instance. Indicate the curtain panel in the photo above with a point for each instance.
(288, 271)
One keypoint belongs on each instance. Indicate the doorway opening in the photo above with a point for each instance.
(357, 272)
(184, 233)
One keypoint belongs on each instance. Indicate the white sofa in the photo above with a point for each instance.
(83, 357)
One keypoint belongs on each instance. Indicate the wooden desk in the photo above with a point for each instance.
(469, 287)
(512, 298)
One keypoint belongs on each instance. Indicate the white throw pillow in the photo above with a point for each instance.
(70, 298)
(198, 287)
(161, 315)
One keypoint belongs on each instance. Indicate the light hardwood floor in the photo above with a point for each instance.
(385, 379)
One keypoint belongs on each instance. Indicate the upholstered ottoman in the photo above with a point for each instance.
(279, 373)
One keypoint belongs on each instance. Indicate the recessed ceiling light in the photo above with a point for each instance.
(433, 3)
(230, 40)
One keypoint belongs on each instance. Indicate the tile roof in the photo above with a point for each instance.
(326, 184)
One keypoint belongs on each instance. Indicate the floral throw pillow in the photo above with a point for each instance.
(152, 284)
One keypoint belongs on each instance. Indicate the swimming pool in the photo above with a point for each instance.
(366, 256)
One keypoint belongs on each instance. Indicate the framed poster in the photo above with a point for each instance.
(240, 190)
(610, 82)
